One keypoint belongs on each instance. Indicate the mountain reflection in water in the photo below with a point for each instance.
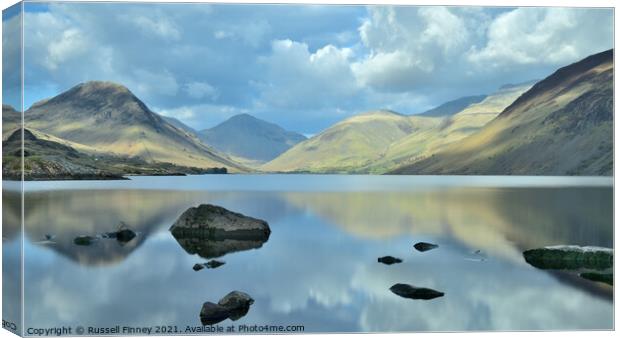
(320, 267)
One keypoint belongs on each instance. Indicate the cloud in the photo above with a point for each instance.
(275, 62)
(199, 90)
(299, 78)
(407, 45)
(201, 116)
(11, 57)
(158, 25)
(555, 36)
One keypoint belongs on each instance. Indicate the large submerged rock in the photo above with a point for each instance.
(570, 257)
(215, 222)
(211, 231)
(233, 306)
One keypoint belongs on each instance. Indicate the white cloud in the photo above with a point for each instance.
(275, 61)
(157, 25)
(299, 78)
(407, 45)
(221, 34)
(70, 44)
(201, 116)
(199, 90)
(146, 82)
(555, 36)
(55, 40)
(251, 33)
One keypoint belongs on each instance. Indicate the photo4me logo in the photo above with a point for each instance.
(9, 325)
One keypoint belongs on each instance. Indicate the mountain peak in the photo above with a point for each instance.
(383, 112)
(94, 92)
(94, 86)
(17, 135)
(248, 137)
(243, 117)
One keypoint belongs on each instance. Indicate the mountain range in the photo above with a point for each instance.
(375, 142)
(561, 125)
(454, 106)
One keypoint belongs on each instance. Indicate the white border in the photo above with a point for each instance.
(497, 3)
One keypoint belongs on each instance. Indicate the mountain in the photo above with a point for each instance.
(248, 139)
(379, 141)
(563, 125)
(11, 120)
(46, 159)
(109, 118)
(452, 107)
(350, 144)
(447, 130)
(180, 125)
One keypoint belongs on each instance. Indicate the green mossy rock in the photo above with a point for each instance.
(570, 257)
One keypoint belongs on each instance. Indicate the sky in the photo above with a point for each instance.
(303, 67)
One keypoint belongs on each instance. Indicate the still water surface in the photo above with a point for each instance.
(319, 267)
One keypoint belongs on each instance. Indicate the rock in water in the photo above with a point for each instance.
(412, 292)
(198, 267)
(125, 235)
(218, 223)
(234, 306)
(238, 303)
(236, 299)
(423, 246)
(570, 257)
(389, 260)
(213, 313)
(84, 240)
(212, 264)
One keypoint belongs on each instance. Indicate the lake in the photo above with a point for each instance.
(319, 267)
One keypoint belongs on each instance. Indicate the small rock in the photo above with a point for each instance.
(238, 303)
(389, 260)
(234, 306)
(49, 237)
(84, 240)
(198, 267)
(125, 235)
(423, 246)
(212, 264)
(213, 313)
(236, 299)
(412, 292)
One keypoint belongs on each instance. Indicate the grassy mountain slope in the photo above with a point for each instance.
(563, 125)
(424, 143)
(11, 120)
(249, 139)
(350, 144)
(109, 118)
(180, 125)
(45, 159)
(454, 106)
